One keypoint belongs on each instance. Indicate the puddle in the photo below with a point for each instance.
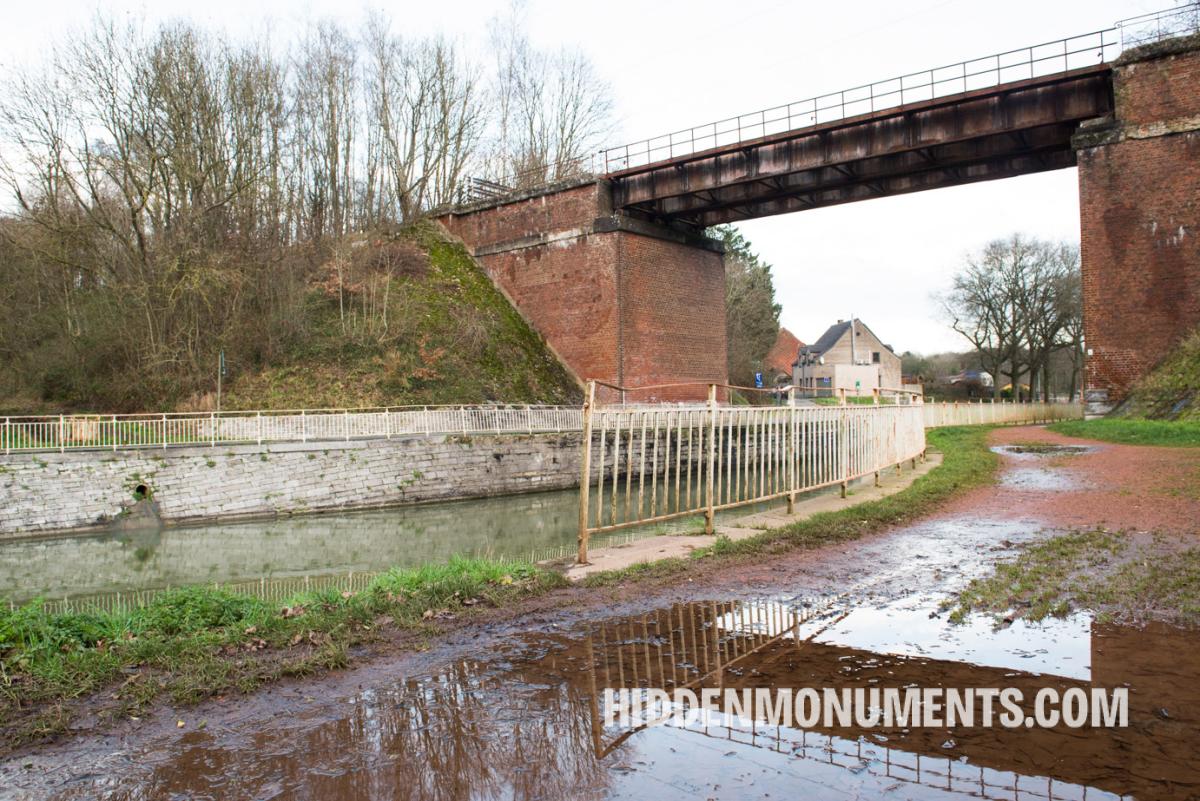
(1044, 449)
(1035, 472)
(1039, 479)
(520, 721)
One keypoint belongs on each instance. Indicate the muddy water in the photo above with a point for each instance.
(523, 722)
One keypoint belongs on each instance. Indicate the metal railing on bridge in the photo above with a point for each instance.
(1036, 61)
(1040, 60)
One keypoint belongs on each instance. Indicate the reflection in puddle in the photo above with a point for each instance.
(525, 724)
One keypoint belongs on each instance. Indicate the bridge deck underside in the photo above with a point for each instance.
(1000, 132)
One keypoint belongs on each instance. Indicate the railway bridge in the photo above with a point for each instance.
(615, 270)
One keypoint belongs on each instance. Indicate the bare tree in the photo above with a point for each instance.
(551, 109)
(176, 191)
(425, 119)
(1013, 302)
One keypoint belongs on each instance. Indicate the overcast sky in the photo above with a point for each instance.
(677, 64)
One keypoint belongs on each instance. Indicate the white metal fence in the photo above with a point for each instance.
(938, 415)
(116, 432)
(649, 464)
(50, 433)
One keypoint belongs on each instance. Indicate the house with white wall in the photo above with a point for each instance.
(847, 356)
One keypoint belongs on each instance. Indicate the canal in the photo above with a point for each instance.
(534, 526)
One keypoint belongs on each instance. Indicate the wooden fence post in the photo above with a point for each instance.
(585, 478)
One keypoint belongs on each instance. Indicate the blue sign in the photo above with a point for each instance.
(758, 380)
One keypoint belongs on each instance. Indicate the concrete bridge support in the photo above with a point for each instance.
(619, 299)
(1139, 197)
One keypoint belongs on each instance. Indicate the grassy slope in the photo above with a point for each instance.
(453, 338)
(1172, 390)
(1163, 408)
(196, 642)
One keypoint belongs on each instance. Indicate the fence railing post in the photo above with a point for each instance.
(585, 478)
(62, 444)
(792, 446)
(710, 512)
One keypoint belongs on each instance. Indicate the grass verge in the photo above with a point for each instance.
(966, 463)
(1134, 431)
(1118, 576)
(195, 642)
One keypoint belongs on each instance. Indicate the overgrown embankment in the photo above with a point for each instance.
(1163, 408)
(1171, 391)
(410, 319)
(393, 317)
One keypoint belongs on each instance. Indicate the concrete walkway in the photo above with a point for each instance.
(650, 549)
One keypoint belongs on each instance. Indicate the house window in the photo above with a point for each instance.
(875, 357)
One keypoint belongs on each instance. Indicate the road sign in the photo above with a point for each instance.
(758, 382)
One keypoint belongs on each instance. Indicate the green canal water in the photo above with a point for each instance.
(539, 526)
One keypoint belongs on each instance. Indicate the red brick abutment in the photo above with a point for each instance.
(618, 298)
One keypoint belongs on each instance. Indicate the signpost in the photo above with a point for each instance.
(220, 375)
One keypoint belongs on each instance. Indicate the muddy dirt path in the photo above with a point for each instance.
(503, 707)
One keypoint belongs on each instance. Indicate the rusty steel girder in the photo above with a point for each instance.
(998, 132)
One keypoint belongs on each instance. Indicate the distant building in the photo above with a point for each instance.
(777, 366)
(847, 356)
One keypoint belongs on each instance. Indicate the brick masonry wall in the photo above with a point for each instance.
(1139, 196)
(622, 307)
(48, 492)
(673, 298)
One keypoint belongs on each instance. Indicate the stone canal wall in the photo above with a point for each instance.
(43, 492)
